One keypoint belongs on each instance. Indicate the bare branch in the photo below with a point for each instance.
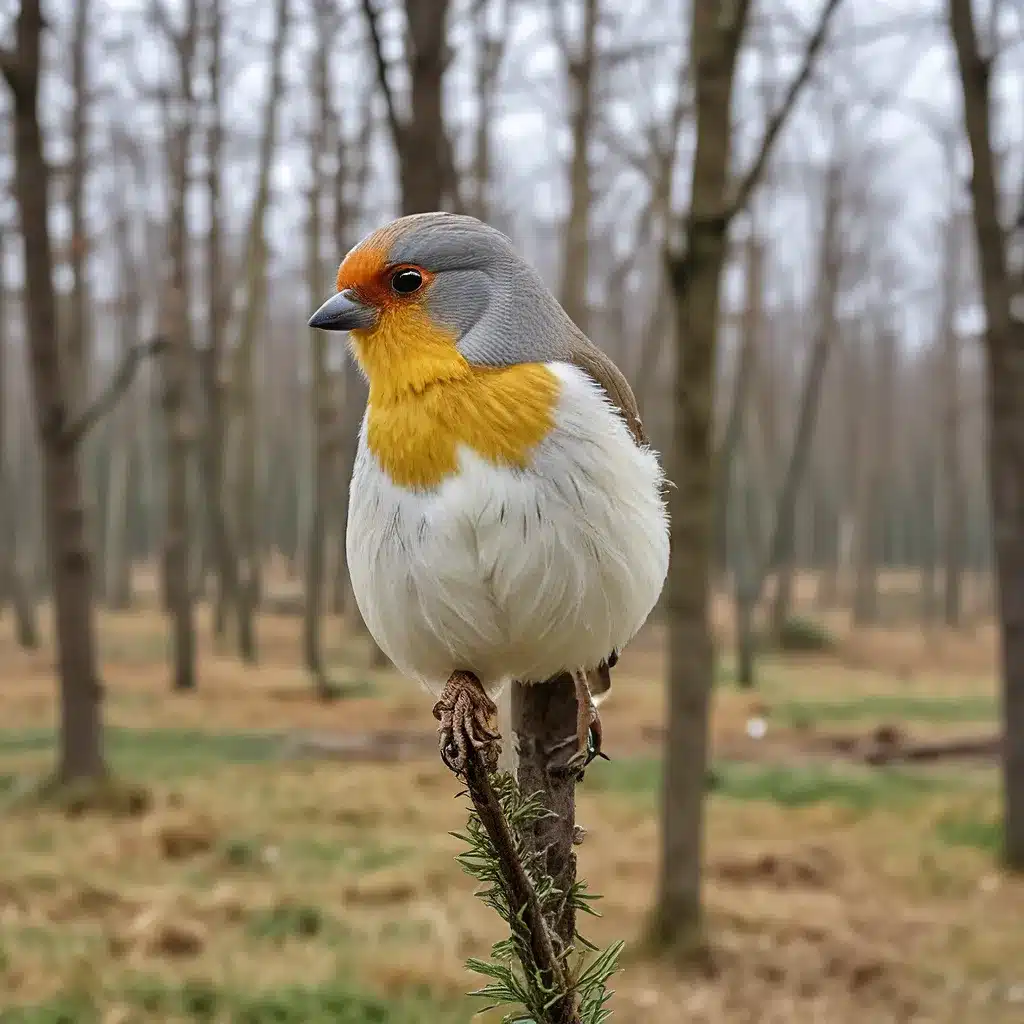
(779, 118)
(558, 30)
(109, 397)
(394, 122)
(161, 19)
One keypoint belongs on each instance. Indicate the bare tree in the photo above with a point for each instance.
(118, 586)
(780, 551)
(319, 393)
(955, 498)
(175, 327)
(81, 733)
(752, 325)
(1004, 350)
(716, 34)
(250, 320)
(76, 329)
(15, 585)
(873, 467)
(423, 149)
(212, 363)
(581, 70)
(491, 50)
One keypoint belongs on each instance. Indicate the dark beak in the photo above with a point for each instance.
(344, 312)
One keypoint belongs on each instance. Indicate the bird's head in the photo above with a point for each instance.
(438, 290)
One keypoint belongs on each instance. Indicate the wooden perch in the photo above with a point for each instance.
(542, 716)
(76, 430)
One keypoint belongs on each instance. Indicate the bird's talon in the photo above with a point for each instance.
(466, 714)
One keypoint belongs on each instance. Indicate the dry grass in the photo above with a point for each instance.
(833, 897)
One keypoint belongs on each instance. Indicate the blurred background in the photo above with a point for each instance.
(218, 801)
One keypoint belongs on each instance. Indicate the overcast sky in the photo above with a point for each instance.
(884, 97)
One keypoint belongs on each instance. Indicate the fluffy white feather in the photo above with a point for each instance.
(509, 574)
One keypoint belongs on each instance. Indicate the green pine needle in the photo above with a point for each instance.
(513, 978)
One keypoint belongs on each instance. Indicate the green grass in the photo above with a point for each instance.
(788, 786)
(803, 635)
(891, 707)
(980, 833)
(140, 752)
(292, 921)
(359, 855)
(202, 1001)
(804, 787)
(65, 1010)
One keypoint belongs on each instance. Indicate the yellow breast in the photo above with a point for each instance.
(426, 401)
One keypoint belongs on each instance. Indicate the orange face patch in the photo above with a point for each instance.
(367, 272)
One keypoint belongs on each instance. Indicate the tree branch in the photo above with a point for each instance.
(778, 120)
(160, 18)
(119, 384)
(522, 896)
(394, 122)
(558, 29)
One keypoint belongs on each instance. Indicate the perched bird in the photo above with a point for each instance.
(506, 518)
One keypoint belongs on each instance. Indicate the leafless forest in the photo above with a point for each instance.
(796, 227)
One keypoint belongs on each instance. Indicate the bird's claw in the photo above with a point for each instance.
(589, 733)
(467, 718)
(587, 739)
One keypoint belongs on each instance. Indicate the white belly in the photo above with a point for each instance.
(514, 575)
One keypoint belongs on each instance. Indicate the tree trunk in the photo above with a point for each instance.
(425, 164)
(927, 560)
(541, 717)
(695, 280)
(955, 503)
(422, 138)
(490, 49)
(580, 72)
(746, 363)
(175, 326)
(213, 371)
(874, 478)
(319, 396)
(251, 321)
(117, 563)
(76, 343)
(1006, 462)
(780, 555)
(13, 574)
(695, 277)
(746, 546)
(1004, 345)
(176, 537)
(6, 513)
(81, 734)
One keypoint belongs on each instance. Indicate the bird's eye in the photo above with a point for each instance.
(406, 281)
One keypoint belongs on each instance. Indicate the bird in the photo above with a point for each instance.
(506, 517)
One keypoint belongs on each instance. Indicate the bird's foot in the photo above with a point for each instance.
(468, 720)
(589, 733)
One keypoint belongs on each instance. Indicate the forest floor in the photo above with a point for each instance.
(268, 884)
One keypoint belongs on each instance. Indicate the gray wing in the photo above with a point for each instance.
(596, 364)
